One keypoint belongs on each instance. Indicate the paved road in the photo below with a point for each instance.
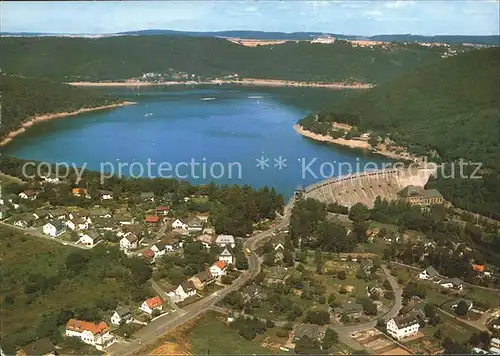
(150, 333)
(465, 283)
(36, 233)
(344, 331)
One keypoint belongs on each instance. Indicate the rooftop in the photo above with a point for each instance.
(80, 326)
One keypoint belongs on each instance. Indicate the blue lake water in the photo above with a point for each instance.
(224, 129)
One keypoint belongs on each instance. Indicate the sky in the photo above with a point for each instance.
(367, 18)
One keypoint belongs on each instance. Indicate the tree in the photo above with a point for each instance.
(306, 345)
(359, 213)
(225, 279)
(318, 316)
(345, 318)
(155, 313)
(370, 308)
(331, 337)
(342, 275)
(462, 308)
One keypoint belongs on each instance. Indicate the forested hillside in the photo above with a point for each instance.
(118, 58)
(23, 98)
(451, 108)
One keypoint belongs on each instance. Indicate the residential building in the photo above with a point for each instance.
(28, 195)
(151, 304)
(194, 225)
(402, 327)
(177, 224)
(428, 274)
(149, 196)
(227, 256)
(23, 224)
(218, 268)
(312, 331)
(183, 291)
(54, 228)
(89, 239)
(123, 219)
(478, 268)
(40, 214)
(129, 242)
(152, 219)
(225, 241)
(495, 342)
(253, 291)
(40, 347)
(352, 309)
(205, 239)
(80, 192)
(200, 280)
(149, 255)
(162, 210)
(96, 335)
(421, 196)
(106, 195)
(50, 178)
(277, 275)
(121, 315)
(454, 283)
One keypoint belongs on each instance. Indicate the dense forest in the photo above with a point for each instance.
(118, 58)
(23, 98)
(448, 110)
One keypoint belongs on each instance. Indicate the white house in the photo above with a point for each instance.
(53, 228)
(454, 283)
(28, 194)
(50, 178)
(402, 327)
(88, 239)
(106, 196)
(183, 291)
(129, 242)
(428, 274)
(151, 304)
(218, 268)
(70, 224)
(21, 223)
(120, 316)
(96, 335)
(225, 240)
(227, 256)
(177, 224)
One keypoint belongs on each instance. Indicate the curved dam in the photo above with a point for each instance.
(365, 187)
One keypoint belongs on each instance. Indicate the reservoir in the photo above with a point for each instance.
(228, 135)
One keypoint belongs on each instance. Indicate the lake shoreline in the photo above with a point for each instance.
(46, 117)
(247, 81)
(353, 144)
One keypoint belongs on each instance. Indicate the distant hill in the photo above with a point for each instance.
(118, 58)
(264, 35)
(451, 39)
(451, 108)
(23, 98)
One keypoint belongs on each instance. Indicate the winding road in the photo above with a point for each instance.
(158, 327)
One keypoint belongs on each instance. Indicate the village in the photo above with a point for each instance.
(305, 293)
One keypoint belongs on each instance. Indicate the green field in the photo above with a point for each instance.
(42, 288)
(211, 336)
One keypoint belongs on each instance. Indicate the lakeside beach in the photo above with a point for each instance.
(355, 144)
(41, 118)
(246, 81)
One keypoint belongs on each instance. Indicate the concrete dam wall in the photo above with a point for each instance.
(365, 187)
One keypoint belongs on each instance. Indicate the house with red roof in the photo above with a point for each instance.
(162, 210)
(96, 335)
(151, 304)
(218, 269)
(149, 255)
(152, 219)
